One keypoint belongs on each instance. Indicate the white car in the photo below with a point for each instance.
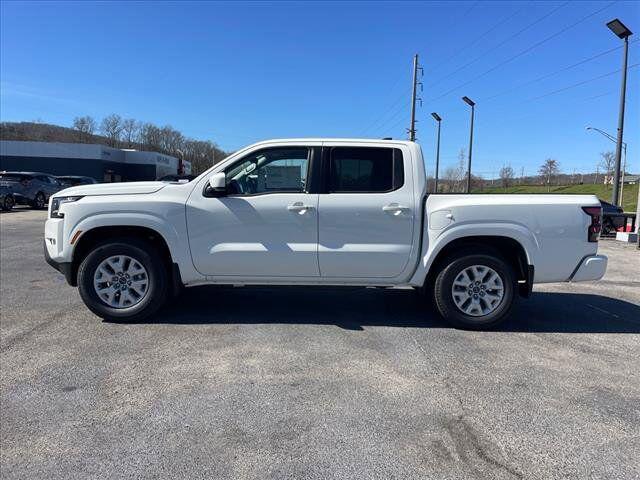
(318, 212)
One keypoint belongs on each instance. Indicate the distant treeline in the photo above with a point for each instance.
(117, 132)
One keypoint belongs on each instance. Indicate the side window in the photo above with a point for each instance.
(269, 171)
(365, 169)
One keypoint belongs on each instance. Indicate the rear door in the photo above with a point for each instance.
(366, 211)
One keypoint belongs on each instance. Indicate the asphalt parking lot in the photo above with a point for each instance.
(298, 383)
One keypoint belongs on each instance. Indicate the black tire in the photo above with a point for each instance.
(446, 305)
(39, 201)
(8, 202)
(148, 257)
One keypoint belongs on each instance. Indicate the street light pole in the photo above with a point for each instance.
(437, 119)
(472, 104)
(618, 28)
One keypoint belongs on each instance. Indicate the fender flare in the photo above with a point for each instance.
(435, 241)
(129, 219)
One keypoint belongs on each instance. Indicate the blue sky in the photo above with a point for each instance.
(238, 72)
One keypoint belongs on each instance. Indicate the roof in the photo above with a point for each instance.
(334, 139)
(6, 172)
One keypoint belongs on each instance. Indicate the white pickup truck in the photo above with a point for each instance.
(318, 212)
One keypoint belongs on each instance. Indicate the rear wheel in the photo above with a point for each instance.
(475, 291)
(123, 280)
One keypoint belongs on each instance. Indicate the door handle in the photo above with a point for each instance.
(394, 208)
(299, 207)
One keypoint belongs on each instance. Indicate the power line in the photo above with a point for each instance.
(610, 92)
(548, 75)
(451, 57)
(405, 93)
(470, 8)
(569, 87)
(582, 83)
(401, 109)
(479, 57)
(399, 99)
(402, 119)
(523, 52)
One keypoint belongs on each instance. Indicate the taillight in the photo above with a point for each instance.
(596, 222)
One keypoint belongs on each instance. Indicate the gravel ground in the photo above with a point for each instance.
(315, 383)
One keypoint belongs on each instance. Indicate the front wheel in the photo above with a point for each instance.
(123, 280)
(39, 202)
(7, 203)
(475, 291)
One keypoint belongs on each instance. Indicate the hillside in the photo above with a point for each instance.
(141, 136)
(603, 192)
(46, 132)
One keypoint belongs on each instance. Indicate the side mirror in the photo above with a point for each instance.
(218, 182)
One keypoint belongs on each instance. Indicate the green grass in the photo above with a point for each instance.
(603, 192)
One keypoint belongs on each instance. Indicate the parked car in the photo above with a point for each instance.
(73, 180)
(612, 218)
(318, 212)
(31, 188)
(6, 197)
(177, 178)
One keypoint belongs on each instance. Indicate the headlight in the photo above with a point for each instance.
(57, 202)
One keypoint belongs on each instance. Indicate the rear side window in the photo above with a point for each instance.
(365, 169)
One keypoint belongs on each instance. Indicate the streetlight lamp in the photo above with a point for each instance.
(624, 163)
(437, 119)
(619, 29)
(472, 104)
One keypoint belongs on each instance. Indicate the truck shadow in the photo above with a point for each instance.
(355, 308)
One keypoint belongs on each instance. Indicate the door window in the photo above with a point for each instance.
(269, 171)
(365, 169)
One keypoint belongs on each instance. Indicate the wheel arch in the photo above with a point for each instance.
(506, 247)
(100, 234)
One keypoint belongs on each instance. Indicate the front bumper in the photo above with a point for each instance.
(65, 268)
(592, 267)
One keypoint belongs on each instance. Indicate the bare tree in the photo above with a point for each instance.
(449, 179)
(171, 140)
(608, 164)
(130, 131)
(85, 126)
(150, 137)
(548, 170)
(111, 127)
(506, 175)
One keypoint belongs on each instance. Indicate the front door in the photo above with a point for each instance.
(366, 213)
(266, 225)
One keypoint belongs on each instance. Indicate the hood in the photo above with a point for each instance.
(121, 188)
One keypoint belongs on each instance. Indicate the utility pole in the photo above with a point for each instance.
(414, 97)
(622, 32)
